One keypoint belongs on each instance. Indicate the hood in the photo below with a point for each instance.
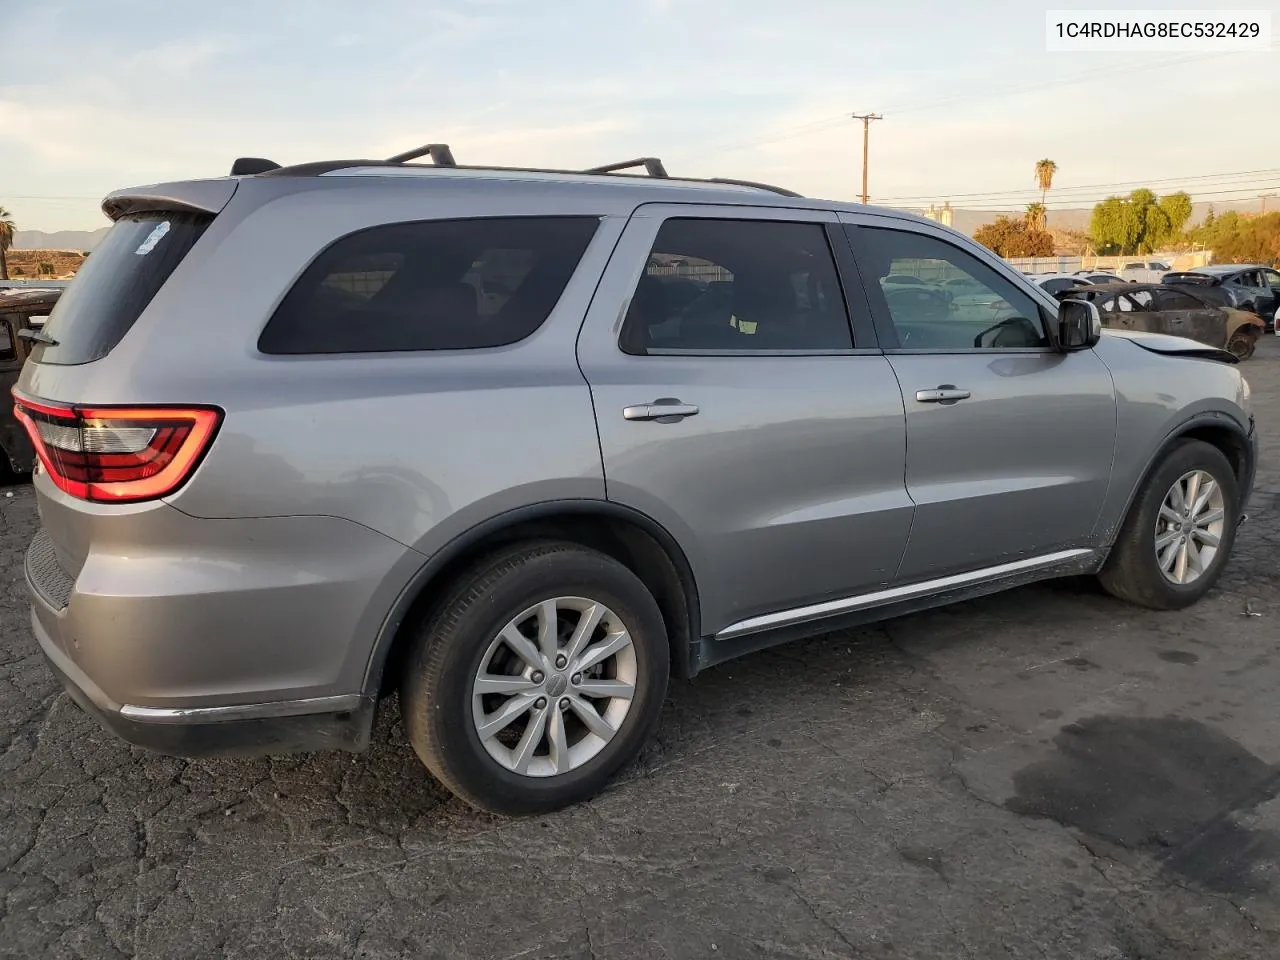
(1168, 346)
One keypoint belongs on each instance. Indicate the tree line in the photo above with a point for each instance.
(1138, 223)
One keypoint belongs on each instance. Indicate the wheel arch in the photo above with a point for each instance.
(632, 538)
(1216, 429)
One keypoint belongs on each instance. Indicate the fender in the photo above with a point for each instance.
(684, 656)
(1204, 419)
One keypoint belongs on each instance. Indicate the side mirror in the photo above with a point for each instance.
(1079, 324)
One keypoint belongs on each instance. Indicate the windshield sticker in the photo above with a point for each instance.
(153, 238)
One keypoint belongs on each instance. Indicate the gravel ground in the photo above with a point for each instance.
(1043, 774)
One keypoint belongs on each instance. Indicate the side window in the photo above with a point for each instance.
(993, 313)
(1177, 300)
(7, 347)
(1142, 299)
(1272, 278)
(1251, 279)
(432, 285)
(737, 285)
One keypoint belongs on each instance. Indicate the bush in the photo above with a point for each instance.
(1015, 238)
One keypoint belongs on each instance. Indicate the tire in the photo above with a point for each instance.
(443, 712)
(1133, 571)
(1242, 345)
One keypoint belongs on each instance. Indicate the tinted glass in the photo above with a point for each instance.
(1177, 300)
(993, 313)
(434, 285)
(1272, 278)
(116, 283)
(1058, 284)
(738, 285)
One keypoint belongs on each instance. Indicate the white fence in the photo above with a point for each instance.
(1176, 261)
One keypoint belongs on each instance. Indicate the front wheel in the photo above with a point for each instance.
(540, 674)
(1179, 532)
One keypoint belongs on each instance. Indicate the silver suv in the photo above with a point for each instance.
(520, 444)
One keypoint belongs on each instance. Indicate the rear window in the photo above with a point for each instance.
(116, 283)
(433, 285)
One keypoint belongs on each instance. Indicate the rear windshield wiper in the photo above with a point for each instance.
(39, 336)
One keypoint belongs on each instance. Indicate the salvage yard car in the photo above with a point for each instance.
(1251, 286)
(23, 311)
(1157, 308)
(525, 510)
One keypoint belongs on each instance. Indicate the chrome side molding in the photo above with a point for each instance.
(242, 711)
(880, 598)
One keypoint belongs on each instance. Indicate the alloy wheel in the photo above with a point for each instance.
(1190, 527)
(554, 686)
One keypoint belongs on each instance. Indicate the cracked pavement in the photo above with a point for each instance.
(1047, 773)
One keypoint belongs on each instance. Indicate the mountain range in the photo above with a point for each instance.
(59, 240)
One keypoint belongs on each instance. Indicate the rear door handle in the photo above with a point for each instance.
(663, 410)
(946, 393)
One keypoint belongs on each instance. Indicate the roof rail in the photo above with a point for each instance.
(442, 156)
(759, 186)
(652, 166)
(439, 153)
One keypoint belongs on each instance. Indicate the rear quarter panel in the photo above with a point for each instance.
(1157, 397)
(418, 446)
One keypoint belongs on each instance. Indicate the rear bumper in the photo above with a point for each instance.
(279, 727)
(195, 636)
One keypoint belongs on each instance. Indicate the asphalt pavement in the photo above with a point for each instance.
(1044, 774)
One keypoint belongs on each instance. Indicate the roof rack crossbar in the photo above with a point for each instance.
(439, 153)
(652, 166)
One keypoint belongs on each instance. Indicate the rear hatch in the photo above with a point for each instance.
(93, 457)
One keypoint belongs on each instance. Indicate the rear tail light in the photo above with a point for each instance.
(117, 454)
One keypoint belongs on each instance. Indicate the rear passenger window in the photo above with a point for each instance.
(434, 285)
(1177, 300)
(741, 285)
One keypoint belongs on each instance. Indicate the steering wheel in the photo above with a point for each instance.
(1010, 332)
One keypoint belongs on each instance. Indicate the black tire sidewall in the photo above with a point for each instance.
(567, 572)
(1191, 455)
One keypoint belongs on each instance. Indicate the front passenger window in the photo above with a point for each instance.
(985, 312)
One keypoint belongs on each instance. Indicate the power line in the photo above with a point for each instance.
(1226, 196)
(1071, 80)
(1016, 191)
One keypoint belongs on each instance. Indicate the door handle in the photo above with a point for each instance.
(663, 410)
(946, 393)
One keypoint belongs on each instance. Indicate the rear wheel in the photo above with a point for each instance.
(539, 675)
(1179, 532)
(1242, 344)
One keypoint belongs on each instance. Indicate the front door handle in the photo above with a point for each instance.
(946, 393)
(663, 410)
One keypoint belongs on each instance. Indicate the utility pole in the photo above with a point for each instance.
(1264, 197)
(866, 119)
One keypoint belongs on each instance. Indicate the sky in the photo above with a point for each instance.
(99, 95)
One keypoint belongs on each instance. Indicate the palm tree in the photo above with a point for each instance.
(1045, 169)
(1036, 216)
(6, 241)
